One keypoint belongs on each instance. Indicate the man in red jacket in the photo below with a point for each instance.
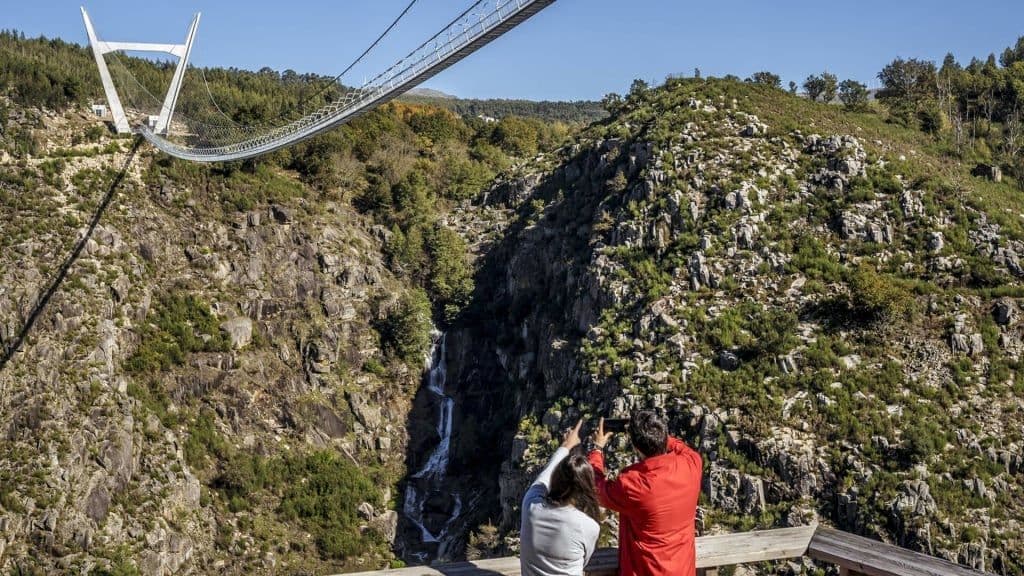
(656, 499)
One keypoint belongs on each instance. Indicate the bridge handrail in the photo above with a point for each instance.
(853, 554)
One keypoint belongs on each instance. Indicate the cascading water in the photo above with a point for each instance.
(429, 481)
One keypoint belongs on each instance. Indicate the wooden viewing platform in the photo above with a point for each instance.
(853, 554)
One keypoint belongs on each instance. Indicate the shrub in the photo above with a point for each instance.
(323, 493)
(405, 332)
(923, 439)
(878, 296)
(176, 326)
(204, 441)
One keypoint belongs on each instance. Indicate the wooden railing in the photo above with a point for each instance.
(853, 554)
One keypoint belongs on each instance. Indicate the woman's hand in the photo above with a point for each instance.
(572, 437)
(601, 437)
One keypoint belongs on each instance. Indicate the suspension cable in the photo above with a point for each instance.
(302, 105)
(202, 72)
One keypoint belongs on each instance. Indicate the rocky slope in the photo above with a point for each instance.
(198, 366)
(825, 305)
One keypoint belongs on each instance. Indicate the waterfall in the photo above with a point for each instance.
(432, 475)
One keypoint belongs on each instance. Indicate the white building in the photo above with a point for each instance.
(99, 110)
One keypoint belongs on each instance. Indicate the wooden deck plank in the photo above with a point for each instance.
(874, 558)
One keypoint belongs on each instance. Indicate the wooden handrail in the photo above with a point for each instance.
(853, 554)
(726, 549)
(860, 555)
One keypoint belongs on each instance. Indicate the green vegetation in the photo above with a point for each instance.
(879, 297)
(405, 332)
(176, 326)
(319, 490)
(823, 86)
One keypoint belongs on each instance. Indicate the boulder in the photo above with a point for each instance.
(911, 512)
(239, 330)
(365, 510)
(387, 524)
(728, 361)
(988, 171)
(97, 504)
(1005, 312)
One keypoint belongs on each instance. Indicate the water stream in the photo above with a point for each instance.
(429, 481)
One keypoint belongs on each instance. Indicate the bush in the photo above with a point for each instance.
(923, 439)
(204, 441)
(177, 325)
(323, 493)
(405, 332)
(877, 296)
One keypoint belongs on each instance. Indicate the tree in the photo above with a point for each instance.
(1011, 55)
(907, 87)
(611, 103)
(405, 331)
(766, 78)
(792, 87)
(517, 136)
(451, 276)
(854, 95)
(814, 86)
(638, 91)
(830, 84)
(950, 88)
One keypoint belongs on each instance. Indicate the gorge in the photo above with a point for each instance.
(230, 375)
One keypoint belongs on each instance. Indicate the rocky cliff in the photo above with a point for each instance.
(185, 352)
(825, 305)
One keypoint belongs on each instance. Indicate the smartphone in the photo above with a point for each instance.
(615, 424)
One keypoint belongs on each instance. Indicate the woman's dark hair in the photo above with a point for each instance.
(572, 482)
(649, 433)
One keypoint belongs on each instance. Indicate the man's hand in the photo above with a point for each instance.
(572, 437)
(601, 437)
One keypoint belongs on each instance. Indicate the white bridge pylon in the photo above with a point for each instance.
(181, 51)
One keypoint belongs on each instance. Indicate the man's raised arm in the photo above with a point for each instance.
(610, 493)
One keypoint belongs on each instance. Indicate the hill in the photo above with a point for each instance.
(827, 305)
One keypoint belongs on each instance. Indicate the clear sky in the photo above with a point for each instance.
(575, 49)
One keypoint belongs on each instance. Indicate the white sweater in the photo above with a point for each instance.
(555, 540)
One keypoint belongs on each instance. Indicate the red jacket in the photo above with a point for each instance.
(656, 499)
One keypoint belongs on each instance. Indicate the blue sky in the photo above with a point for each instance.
(575, 49)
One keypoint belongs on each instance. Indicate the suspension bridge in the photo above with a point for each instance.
(202, 139)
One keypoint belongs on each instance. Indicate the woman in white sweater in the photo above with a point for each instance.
(560, 515)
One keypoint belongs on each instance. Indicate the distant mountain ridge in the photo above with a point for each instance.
(430, 93)
(578, 112)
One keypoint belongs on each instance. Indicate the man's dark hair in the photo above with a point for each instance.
(649, 433)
